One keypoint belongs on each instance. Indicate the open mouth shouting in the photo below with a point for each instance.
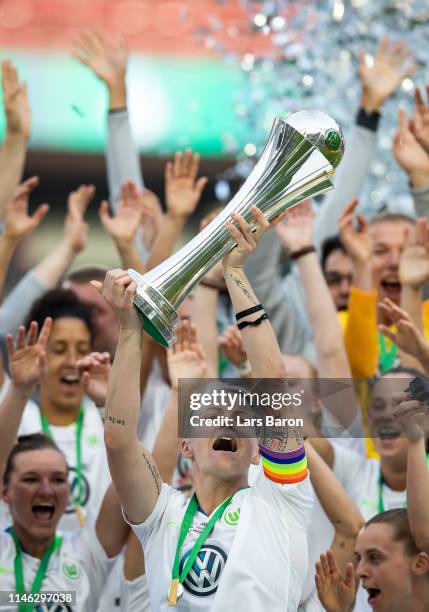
(391, 288)
(43, 511)
(373, 595)
(225, 444)
(70, 379)
(388, 434)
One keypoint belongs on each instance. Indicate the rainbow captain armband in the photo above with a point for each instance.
(284, 468)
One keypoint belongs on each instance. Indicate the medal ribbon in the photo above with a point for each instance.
(41, 571)
(184, 529)
(79, 425)
(381, 481)
(387, 357)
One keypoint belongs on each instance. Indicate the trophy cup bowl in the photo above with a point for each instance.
(297, 163)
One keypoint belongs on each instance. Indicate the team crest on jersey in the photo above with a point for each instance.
(71, 570)
(204, 576)
(92, 440)
(74, 491)
(231, 517)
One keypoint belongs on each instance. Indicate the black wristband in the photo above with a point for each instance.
(113, 111)
(255, 323)
(244, 313)
(368, 119)
(301, 252)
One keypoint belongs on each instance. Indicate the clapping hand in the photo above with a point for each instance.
(354, 233)
(27, 357)
(182, 188)
(232, 345)
(124, 225)
(414, 263)
(392, 63)
(335, 591)
(18, 223)
(407, 337)
(94, 370)
(15, 100)
(409, 154)
(75, 228)
(186, 359)
(419, 124)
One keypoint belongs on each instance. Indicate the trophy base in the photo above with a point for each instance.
(159, 317)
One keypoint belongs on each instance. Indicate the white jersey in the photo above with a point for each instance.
(360, 477)
(80, 565)
(135, 594)
(95, 471)
(255, 557)
(312, 603)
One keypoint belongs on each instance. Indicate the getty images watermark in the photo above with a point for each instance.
(230, 407)
(327, 408)
(242, 406)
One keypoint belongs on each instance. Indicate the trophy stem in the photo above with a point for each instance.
(296, 164)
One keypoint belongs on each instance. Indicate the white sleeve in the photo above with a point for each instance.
(311, 604)
(349, 468)
(294, 499)
(134, 594)
(148, 530)
(95, 562)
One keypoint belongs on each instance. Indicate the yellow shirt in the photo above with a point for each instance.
(359, 325)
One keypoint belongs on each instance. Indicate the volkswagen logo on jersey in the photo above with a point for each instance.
(73, 486)
(204, 576)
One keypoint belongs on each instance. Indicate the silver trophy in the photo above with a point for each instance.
(297, 162)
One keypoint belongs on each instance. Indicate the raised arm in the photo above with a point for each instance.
(414, 270)
(111, 529)
(414, 160)
(419, 126)
(361, 326)
(338, 506)
(407, 336)
(18, 224)
(18, 128)
(26, 360)
(259, 340)
(413, 417)
(123, 227)
(297, 236)
(52, 268)
(379, 80)
(185, 359)
(108, 60)
(275, 444)
(133, 470)
(182, 193)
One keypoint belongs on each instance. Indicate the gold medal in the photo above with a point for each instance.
(80, 513)
(174, 592)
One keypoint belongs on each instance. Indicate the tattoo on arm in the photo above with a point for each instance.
(154, 471)
(237, 280)
(274, 440)
(276, 437)
(114, 420)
